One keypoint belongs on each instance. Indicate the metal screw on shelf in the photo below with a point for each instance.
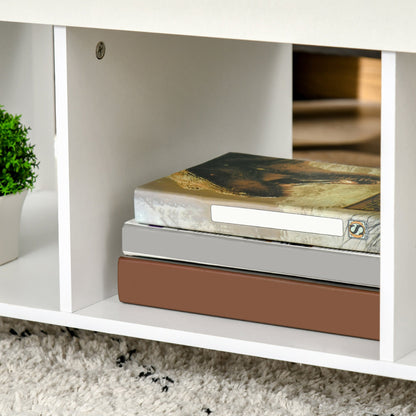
(100, 50)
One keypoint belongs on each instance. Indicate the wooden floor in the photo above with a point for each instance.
(361, 155)
(339, 131)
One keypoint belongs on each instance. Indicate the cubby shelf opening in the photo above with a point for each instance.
(152, 105)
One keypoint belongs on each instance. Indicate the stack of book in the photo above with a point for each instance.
(271, 240)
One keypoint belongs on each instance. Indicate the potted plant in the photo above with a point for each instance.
(17, 174)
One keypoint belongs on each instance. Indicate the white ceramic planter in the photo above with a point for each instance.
(10, 212)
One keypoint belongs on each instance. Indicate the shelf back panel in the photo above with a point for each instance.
(26, 88)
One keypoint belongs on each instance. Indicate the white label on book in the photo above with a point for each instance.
(277, 220)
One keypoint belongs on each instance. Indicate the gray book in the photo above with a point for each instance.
(331, 265)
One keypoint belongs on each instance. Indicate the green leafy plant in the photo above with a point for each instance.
(17, 158)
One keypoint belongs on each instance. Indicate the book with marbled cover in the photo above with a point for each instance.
(289, 200)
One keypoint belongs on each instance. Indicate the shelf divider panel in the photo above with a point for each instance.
(398, 193)
(62, 154)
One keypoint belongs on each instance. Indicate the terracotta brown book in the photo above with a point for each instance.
(287, 200)
(247, 296)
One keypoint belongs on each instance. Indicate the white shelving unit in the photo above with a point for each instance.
(158, 102)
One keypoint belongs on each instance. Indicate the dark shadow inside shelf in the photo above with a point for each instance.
(337, 105)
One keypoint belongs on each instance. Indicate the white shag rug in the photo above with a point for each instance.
(50, 370)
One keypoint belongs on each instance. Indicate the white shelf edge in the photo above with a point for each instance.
(62, 155)
(277, 21)
(405, 368)
(387, 260)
